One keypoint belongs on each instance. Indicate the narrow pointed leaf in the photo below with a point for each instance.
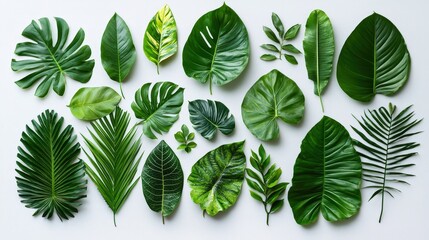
(292, 32)
(277, 22)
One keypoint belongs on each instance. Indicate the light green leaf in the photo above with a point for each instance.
(51, 62)
(270, 47)
(277, 22)
(273, 96)
(292, 32)
(158, 107)
(291, 59)
(92, 103)
(216, 178)
(160, 39)
(268, 57)
(118, 54)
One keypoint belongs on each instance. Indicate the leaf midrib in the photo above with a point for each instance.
(48, 48)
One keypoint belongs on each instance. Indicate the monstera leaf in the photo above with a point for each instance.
(52, 62)
(217, 50)
(51, 178)
(208, 116)
(374, 60)
(158, 107)
(118, 53)
(327, 175)
(273, 96)
(216, 179)
(319, 47)
(160, 39)
(162, 180)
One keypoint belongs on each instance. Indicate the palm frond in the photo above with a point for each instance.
(114, 158)
(51, 179)
(384, 149)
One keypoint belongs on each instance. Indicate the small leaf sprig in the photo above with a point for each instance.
(265, 185)
(283, 48)
(184, 137)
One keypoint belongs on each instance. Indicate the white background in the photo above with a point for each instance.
(405, 217)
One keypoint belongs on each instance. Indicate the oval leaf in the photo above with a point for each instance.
(118, 53)
(327, 175)
(52, 62)
(162, 180)
(158, 107)
(160, 39)
(217, 49)
(208, 116)
(273, 96)
(216, 179)
(373, 60)
(92, 103)
(319, 47)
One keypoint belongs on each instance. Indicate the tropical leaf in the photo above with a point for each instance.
(273, 96)
(319, 48)
(158, 107)
(327, 175)
(209, 116)
(185, 138)
(118, 54)
(385, 150)
(92, 103)
(162, 180)
(374, 60)
(264, 183)
(114, 157)
(160, 39)
(216, 179)
(51, 62)
(217, 50)
(50, 176)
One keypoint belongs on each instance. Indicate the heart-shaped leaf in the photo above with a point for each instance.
(217, 50)
(327, 175)
(52, 61)
(273, 96)
(162, 180)
(92, 103)
(158, 107)
(209, 116)
(118, 53)
(373, 60)
(216, 179)
(160, 39)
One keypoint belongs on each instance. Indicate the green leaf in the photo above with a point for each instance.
(268, 57)
(276, 206)
(179, 137)
(160, 39)
(192, 145)
(185, 130)
(216, 178)
(270, 47)
(162, 180)
(50, 176)
(254, 185)
(319, 48)
(114, 157)
(291, 59)
(209, 116)
(217, 50)
(191, 136)
(290, 48)
(51, 62)
(256, 196)
(92, 103)
(118, 54)
(374, 60)
(292, 32)
(270, 34)
(273, 96)
(158, 107)
(327, 175)
(384, 149)
(278, 24)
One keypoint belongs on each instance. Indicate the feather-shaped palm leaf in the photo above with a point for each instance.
(384, 149)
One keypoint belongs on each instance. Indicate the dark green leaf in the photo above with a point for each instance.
(179, 137)
(268, 57)
(291, 59)
(270, 47)
(185, 130)
(192, 145)
(276, 206)
(256, 196)
(290, 48)
(254, 185)
(270, 34)
(292, 32)
(278, 24)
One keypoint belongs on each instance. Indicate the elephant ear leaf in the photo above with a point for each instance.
(160, 39)
(158, 107)
(208, 116)
(217, 50)
(216, 179)
(118, 53)
(162, 180)
(319, 47)
(273, 96)
(374, 60)
(327, 175)
(52, 62)
(50, 176)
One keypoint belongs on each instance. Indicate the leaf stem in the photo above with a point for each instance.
(157, 68)
(163, 219)
(114, 219)
(120, 87)
(268, 214)
(385, 167)
(321, 103)
(210, 82)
